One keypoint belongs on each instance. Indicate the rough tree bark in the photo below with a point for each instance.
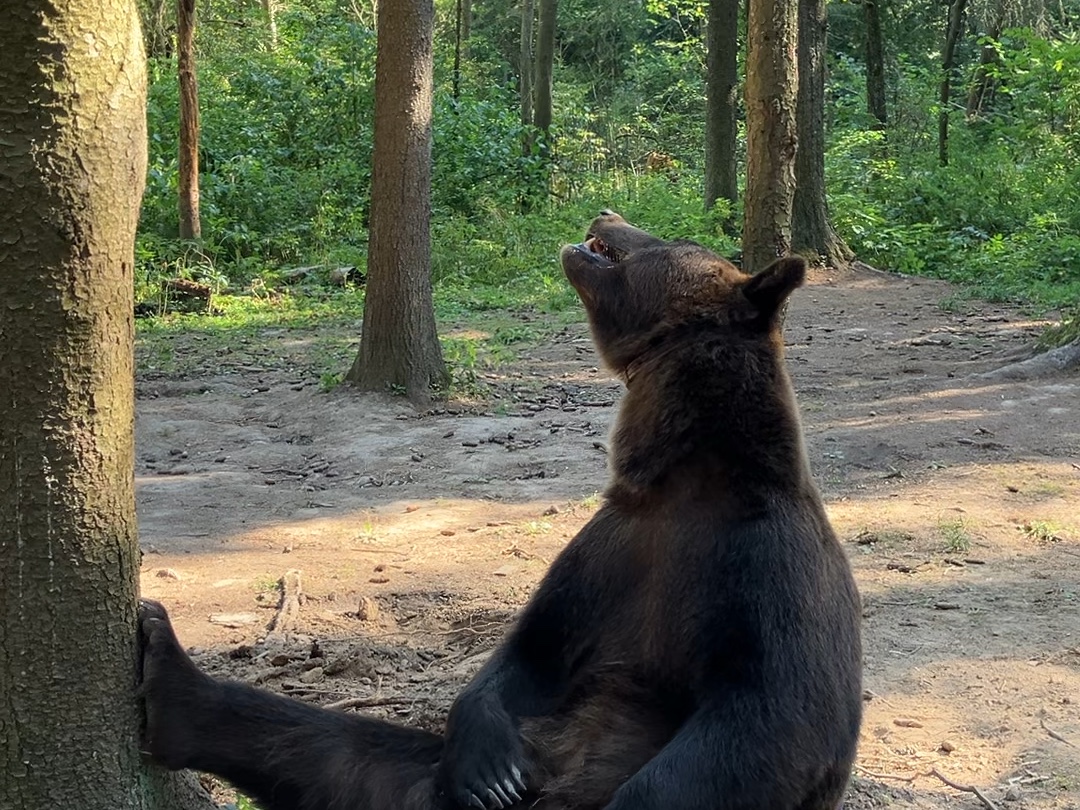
(190, 223)
(772, 84)
(721, 88)
(545, 63)
(73, 151)
(812, 233)
(875, 62)
(948, 58)
(399, 347)
(525, 62)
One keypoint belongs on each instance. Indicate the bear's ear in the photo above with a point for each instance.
(768, 289)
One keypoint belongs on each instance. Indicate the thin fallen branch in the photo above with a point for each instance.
(964, 789)
(289, 608)
(876, 775)
(369, 702)
(1055, 735)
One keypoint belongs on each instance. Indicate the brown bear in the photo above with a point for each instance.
(695, 646)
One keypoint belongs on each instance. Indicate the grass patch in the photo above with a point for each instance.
(956, 536)
(1042, 531)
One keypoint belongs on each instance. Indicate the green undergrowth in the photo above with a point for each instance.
(498, 287)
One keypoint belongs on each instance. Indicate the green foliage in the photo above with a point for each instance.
(1004, 215)
(287, 139)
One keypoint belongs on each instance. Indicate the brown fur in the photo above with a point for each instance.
(696, 645)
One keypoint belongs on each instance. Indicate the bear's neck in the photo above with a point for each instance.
(734, 429)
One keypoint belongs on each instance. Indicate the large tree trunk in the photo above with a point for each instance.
(73, 151)
(190, 223)
(721, 88)
(772, 85)
(875, 62)
(399, 348)
(525, 63)
(812, 232)
(948, 58)
(545, 63)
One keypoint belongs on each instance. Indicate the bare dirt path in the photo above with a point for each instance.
(418, 536)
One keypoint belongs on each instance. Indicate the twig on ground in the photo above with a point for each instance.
(964, 788)
(876, 775)
(369, 702)
(1055, 735)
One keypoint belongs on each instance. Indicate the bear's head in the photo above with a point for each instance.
(638, 290)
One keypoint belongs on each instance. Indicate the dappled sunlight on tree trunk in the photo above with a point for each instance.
(399, 348)
(772, 85)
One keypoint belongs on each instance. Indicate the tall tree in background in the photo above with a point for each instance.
(190, 222)
(721, 93)
(772, 85)
(270, 8)
(525, 64)
(948, 59)
(875, 62)
(73, 148)
(811, 230)
(545, 63)
(399, 347)
(984, 82)
(157, 27)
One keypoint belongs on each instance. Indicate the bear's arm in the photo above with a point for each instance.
(532, 670)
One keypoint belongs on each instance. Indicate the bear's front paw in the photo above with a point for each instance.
(483, 765)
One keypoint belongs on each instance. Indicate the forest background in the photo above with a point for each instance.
(286, 100)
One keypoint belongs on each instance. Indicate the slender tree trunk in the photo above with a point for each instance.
(983, 83)
(772, 83)
(525, 62)
(73, 151)
(811, 230)
(190, 224)
(956, 25)
(545, 62)
(270, 7)
(156, 28)
(721, 89)
(457, 51)
(400, 348)
(875, 62)
(466, 23)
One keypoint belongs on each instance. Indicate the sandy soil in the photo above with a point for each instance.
(420, 535)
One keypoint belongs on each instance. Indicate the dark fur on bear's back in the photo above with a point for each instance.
(696, 645)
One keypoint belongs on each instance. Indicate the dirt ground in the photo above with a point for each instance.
(419, 535)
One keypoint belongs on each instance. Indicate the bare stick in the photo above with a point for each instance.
(876, 775)
(1055, 735)
(289, 609)
(369, 702)
(965, 789)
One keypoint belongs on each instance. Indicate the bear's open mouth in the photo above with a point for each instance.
(594, 244)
